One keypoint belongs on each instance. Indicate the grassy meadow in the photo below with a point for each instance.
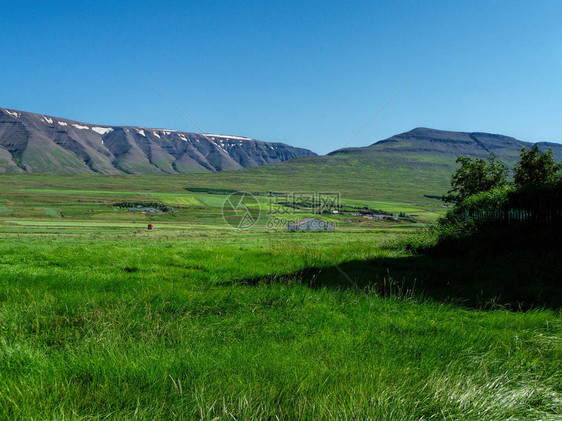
(102, 319)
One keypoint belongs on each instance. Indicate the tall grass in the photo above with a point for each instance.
(164, 326)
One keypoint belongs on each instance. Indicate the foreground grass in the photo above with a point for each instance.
(163, 325)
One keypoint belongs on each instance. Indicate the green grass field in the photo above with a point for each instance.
(102, 319)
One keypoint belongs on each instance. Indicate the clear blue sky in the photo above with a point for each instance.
(305, 73)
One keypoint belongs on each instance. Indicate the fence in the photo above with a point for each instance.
(515, 215)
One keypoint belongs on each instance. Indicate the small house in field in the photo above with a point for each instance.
(310, 224)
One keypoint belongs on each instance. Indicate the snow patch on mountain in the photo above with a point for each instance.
(13, 114)
(225, 136)
(102, 130)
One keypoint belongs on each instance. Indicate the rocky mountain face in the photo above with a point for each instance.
(35, 143)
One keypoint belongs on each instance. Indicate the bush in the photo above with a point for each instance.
(459, 234)
(495, 199)
(538, 202)
(155, 205)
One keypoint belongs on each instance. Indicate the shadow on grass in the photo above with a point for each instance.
(516, 281)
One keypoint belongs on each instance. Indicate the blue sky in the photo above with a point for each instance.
(309, 73)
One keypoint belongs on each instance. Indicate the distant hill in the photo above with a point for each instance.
(35, 143)
(407, 166)
(479, 145)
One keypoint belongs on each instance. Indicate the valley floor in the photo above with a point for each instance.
(102, 319)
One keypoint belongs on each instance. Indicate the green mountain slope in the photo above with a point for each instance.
(404, 167)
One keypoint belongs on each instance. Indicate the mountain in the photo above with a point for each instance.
(440, 142)
(405, 167)
(36, 143)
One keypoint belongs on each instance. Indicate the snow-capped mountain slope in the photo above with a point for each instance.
(37, 143)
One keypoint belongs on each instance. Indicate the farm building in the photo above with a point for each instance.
(310, 224)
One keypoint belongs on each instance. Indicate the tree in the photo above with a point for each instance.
(535, 167)
(476, 176)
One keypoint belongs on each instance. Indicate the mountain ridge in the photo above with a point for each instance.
(409, 166)
(475, 144)
(31, 142)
